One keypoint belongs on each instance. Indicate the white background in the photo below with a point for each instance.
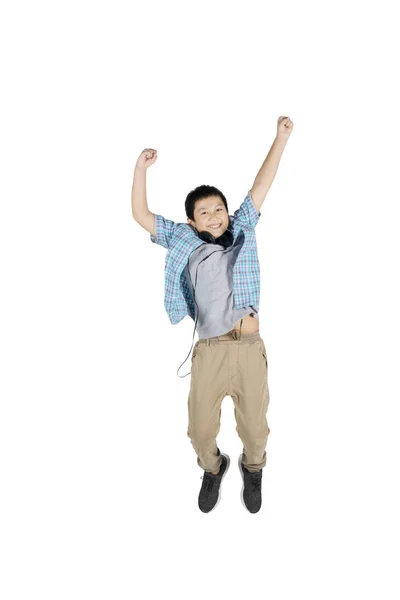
(99, 479)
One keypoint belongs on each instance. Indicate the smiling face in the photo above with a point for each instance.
(210, 215)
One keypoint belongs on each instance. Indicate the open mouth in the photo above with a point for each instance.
(215, 226)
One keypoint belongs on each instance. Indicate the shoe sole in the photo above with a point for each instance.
(228, 462)
(242, 476)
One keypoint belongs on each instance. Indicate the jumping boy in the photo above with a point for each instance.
(212, 274)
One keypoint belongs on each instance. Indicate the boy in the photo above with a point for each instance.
(229, 357)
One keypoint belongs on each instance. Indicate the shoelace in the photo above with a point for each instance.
(256, 484)
(255, 481)
(209, 481)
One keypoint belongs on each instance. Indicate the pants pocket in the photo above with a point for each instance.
(264, 354)
(195, 350)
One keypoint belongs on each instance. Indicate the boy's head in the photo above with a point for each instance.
(207, 210)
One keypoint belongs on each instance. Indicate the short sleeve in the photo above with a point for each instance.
(247, 213)
(164, 231)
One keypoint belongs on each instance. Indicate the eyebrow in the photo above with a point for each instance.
(205, 207)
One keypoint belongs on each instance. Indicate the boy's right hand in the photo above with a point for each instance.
(146, 158)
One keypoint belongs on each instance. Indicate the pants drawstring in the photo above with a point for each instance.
(235, 334)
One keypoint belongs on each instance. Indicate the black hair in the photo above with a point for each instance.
(202, 191)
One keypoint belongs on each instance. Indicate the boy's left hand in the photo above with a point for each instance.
(285, 127)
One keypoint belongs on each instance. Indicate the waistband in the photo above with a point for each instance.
(232, 336)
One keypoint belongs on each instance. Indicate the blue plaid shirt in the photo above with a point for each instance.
(180, 240)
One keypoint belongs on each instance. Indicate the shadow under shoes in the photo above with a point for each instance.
(210, 492)
(251, 490)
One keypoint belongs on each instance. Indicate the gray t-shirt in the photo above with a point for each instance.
(213, 289)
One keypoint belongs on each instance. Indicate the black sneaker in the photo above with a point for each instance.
(210, 492)
(251, 489)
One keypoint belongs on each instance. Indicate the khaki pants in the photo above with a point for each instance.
(226, 366)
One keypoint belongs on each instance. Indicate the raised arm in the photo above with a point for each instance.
(267, 172)
(161, 229)
(140, 210)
